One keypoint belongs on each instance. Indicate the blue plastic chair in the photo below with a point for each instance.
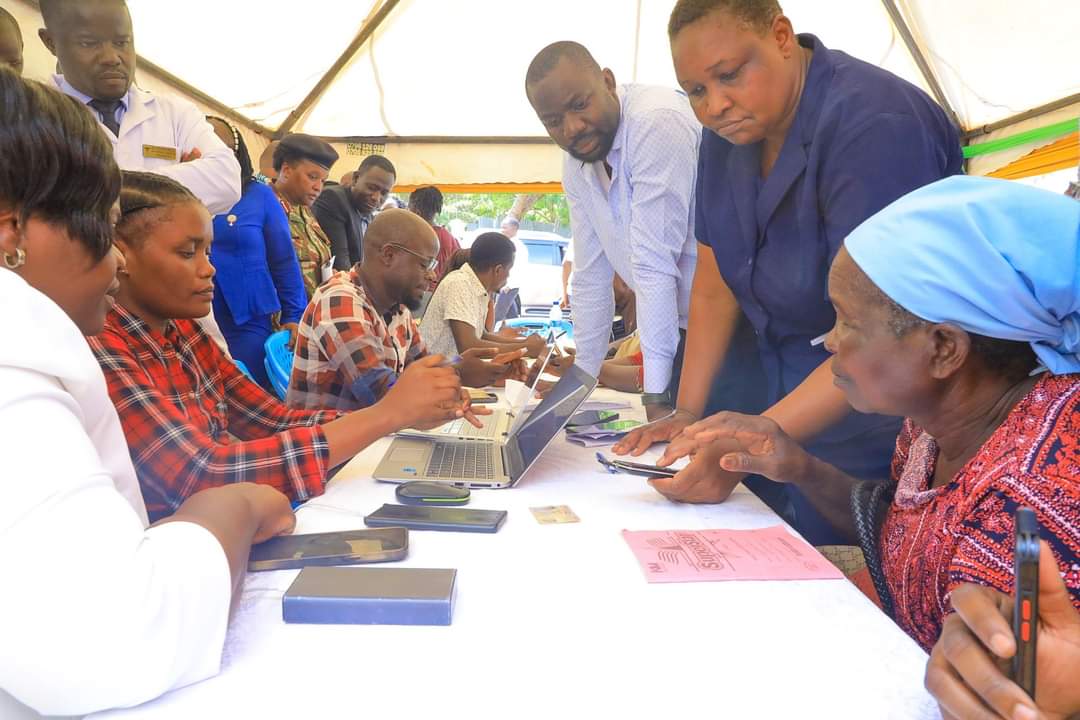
(278, 362)
(243, 368)
(531, 325)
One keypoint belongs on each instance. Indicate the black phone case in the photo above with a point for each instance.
(349, 547)
(445, 519)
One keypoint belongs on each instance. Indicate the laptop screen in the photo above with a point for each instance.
(549, 417)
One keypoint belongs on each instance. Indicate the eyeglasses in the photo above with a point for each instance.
(429, 263)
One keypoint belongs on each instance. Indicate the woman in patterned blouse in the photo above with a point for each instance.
(958, 307)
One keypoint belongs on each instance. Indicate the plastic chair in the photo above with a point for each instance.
(278, 362)
(532, 325)
(244, 369)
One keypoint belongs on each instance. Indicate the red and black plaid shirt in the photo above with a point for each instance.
(194, 421)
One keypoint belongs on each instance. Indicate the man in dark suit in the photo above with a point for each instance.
(344, 211)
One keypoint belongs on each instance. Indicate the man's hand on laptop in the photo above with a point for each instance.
(480, 367)
(536, 345)
(427, 394)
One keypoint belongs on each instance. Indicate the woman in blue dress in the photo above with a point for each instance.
(258, 286)
(800, 145)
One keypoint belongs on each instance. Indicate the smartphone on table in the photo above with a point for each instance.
(633, 468)
(592, 417)
(347, 547)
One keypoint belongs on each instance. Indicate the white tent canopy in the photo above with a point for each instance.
(433, 77)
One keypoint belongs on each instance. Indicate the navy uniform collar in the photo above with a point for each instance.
(744, 162)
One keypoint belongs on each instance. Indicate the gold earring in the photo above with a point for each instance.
(16, 261)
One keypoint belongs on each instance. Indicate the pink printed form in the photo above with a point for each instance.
(702, 555)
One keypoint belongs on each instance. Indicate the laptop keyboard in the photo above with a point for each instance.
(461, 461)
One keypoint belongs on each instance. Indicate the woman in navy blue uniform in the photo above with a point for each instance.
(258, 275)
(800, 145)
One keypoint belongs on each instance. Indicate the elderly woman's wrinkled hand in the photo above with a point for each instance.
(702, 481)
(967, 671)
(752, 444)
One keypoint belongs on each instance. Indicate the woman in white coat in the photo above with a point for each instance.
(98, 610)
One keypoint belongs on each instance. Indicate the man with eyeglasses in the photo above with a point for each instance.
(358, 333)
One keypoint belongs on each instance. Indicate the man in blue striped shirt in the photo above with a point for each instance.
(629, 174)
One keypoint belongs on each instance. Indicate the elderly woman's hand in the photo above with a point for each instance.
(967, 667)
(702, 481)
(746, 444)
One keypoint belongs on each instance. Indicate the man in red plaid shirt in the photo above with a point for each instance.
(191, 419)
(358, 334)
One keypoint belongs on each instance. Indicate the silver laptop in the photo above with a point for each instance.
(483, 463)
(494, 426)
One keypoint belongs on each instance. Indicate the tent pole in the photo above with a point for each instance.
(920, 60)
(371, 24)
(1020, 117)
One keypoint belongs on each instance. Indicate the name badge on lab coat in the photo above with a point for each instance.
(159, 152)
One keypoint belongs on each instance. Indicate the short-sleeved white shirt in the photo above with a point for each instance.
(460, 296)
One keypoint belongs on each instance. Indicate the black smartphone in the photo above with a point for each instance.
(348, 547)
(592, 417)
(633, 468)
(1026, 599)
(449, 519)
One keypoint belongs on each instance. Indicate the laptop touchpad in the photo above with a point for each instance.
(409, 455)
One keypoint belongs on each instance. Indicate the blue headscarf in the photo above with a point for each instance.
(994, 257)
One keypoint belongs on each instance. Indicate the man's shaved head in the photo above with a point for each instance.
(400, 227)
(546, 60)
(400, 248)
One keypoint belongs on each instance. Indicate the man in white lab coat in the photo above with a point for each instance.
(94, 43)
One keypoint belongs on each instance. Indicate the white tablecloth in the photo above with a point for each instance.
(557, 620)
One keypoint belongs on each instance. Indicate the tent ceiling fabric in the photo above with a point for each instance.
(456, 69)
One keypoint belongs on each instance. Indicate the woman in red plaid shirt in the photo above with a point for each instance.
(191, 418)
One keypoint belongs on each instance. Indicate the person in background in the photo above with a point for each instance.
(94, 43)
(345, 211)
(427, 202)
(11, 42)
(509, 227)
(258, 277)
(965, 671)
(267, 174)
(357, 338)
(626, 370)
(567, 269)
(456, 316)
(817, 142)
(302, 163)
(192, 419)
(628, 173)
(157, 616)
(957, 308)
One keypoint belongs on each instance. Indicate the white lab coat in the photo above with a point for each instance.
(97, 611)
(169, 122)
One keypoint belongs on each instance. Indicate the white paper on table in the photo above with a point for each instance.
(514, 392)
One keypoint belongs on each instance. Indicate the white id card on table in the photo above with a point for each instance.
(327, 270)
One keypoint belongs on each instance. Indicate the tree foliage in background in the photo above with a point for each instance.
(549, 208)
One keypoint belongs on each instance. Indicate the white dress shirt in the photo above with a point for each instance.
(97, 611)
(459, 296)
(152, 125)
(639, 223)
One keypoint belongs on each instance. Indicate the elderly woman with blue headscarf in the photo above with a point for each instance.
(958, 307)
